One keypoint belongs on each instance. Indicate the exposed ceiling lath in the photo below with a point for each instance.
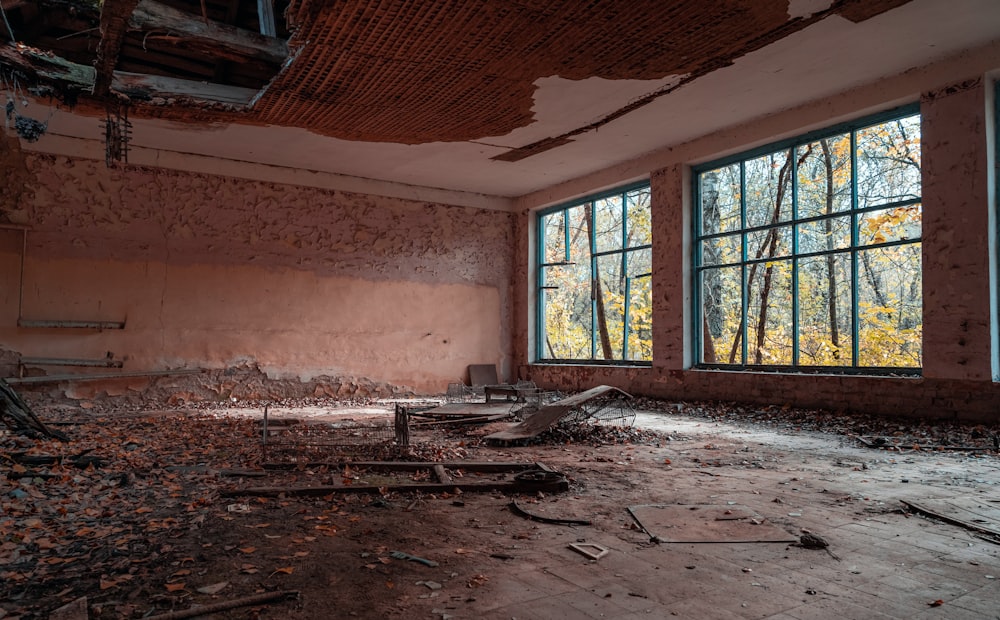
(117, 134)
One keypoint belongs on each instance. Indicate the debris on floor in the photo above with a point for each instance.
(591, 551)
(134, 521)
(973, 513)
(603, 403)
(705, 523)
(19, 417)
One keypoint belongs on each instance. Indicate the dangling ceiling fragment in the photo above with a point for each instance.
(397, 71)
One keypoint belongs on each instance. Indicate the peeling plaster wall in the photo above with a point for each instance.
(957, 378)
(209, 271)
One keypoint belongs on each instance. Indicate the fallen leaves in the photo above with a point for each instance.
(93, 526)
(214, 588)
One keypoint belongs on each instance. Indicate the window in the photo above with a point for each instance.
(594, 294)
(807, 253)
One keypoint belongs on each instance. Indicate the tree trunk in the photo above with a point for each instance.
(712, 284)
(597, 292)
(771, 244)
(831, 263)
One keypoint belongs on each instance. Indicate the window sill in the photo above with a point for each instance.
(891, 373)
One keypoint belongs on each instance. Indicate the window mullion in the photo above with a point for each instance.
(744, 289)
(855, 322)
(795, 260)
(593, 281)
(540, 292)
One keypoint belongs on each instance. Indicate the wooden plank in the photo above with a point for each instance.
(483, 374)
(114, 16)
(972, 513)
(48, 67)
(150, 15)
(475, 487)
(265, 15)
(486, 467)
(139, 85)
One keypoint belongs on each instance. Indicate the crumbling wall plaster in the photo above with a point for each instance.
(201, 218)
(209, 271)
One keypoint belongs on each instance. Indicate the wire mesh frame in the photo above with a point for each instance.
(461, 393)
(605, 411)
(533, 400)
(117, 134)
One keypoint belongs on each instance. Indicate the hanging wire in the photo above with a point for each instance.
(10, 30)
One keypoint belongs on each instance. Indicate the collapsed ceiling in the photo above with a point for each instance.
(396, 71)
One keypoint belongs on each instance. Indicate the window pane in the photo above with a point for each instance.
(721, 311)
(639, 263)
(770, 243)
(824, 176)
(721, 250)
(608, 224)
(889, 162)
(555, 236)
(567, 310)
(890, 306)
(611, 329)
(640, 323)
(825, 324)
(768, 189)
(810, 221)
(886, 225)
(824, 235)
(769, 313)
(609, 238)
(640, 225)
(720, 200)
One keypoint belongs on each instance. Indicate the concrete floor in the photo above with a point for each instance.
(891, 564)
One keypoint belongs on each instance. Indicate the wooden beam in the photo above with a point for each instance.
(41, 66)
(45, 67)
(140, 86)
(114, 23)
(265, 16)
(221, 39)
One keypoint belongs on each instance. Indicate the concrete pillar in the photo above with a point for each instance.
(956, 233)
(671, 268)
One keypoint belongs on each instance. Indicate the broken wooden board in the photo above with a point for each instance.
(17, 415)
(482, 375)
(527, 478)
(973, 513)
(461, 413)
(702, 523)
(549, 415)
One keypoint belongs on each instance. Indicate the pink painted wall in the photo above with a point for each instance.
(209, 271)
(957, 380)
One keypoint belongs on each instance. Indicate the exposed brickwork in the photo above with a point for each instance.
(957, 382)
(210, 271)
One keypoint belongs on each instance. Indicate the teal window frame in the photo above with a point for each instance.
(542, 286)
(995, 361)
(793, 224)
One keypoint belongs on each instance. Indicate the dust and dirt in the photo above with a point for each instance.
(144, 528)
